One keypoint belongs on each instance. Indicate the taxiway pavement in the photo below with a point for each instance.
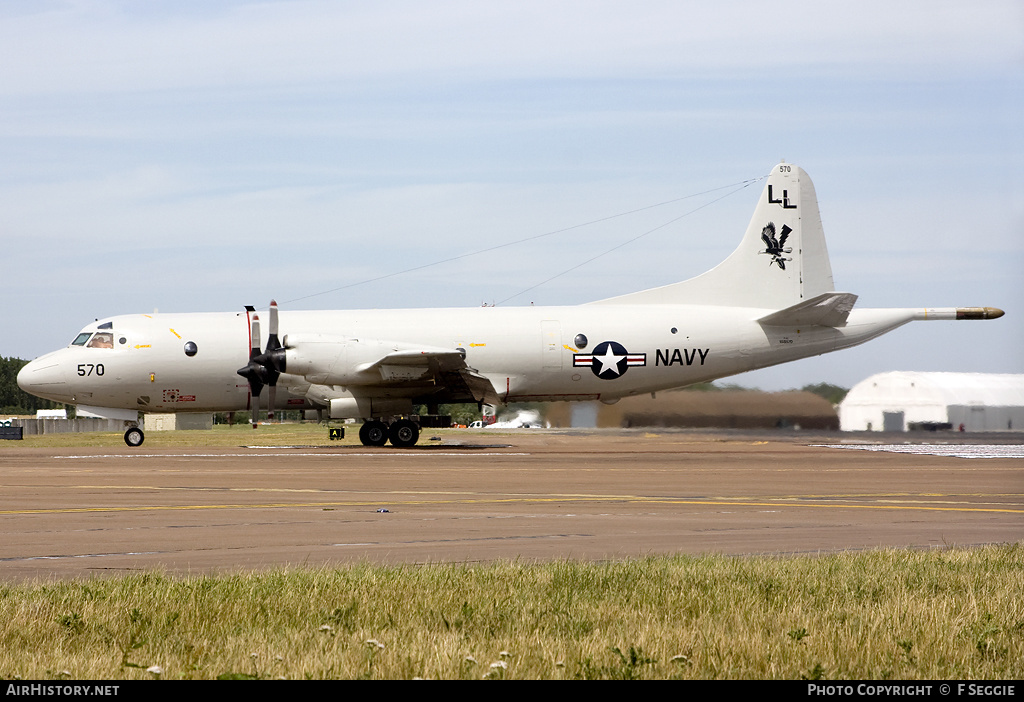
(535, 495)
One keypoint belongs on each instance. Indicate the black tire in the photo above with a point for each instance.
(373, 433)
(404, 433)
(134, 437)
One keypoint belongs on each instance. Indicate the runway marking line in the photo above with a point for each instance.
(945, 450)
(783, 499)
(378, 454)
(511, 500)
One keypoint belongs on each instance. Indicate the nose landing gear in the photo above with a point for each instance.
(134, 437)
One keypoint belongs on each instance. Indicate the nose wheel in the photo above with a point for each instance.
(134, 437)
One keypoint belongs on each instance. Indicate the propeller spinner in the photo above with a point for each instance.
(264, 368)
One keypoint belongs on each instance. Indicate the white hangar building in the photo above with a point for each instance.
(902, 400)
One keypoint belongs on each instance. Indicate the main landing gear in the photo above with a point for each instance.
(402, 433)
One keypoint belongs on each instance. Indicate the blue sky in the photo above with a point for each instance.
(197, 156)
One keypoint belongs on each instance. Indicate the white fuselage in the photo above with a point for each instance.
(527, 353)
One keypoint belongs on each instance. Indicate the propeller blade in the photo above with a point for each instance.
(255, 351)
(253, 371)
(255, 407)
(267, 360)
(273, 342)
(264, 368)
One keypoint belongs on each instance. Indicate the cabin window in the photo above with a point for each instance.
(102, 340)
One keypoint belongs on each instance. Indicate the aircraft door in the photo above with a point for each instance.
(551, 344)
(892, 421)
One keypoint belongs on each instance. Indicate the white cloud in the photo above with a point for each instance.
(112, 46)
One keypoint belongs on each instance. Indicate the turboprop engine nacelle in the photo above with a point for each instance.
(332, 360)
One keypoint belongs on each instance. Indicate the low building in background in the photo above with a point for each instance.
(52, 414)
(723, 409)
(181, 420)
(906, 400)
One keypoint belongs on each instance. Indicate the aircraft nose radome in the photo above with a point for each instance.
(42, 377)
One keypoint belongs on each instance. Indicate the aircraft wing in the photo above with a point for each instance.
(418, 363)
(446, 368)
(827, 310)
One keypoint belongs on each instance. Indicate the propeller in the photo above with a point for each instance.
(263, 369)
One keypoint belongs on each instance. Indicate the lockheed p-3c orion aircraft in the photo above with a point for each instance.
(771, 301)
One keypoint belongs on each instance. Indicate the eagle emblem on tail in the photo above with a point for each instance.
(775, 246)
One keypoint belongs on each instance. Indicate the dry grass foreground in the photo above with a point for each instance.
(893, 614)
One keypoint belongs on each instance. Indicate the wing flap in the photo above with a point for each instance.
(445, 367)
(477, 386)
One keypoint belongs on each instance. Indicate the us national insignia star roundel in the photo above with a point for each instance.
(609, 360)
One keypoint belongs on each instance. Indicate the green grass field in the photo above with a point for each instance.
(951, 614)
(284, 434)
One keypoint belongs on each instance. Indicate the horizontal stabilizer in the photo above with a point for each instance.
(826, 310)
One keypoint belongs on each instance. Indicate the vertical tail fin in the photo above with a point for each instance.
(781, 261)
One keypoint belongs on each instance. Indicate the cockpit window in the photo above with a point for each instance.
(102, 340)
(81, 339)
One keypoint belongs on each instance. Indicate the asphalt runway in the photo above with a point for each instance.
(535, 495)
